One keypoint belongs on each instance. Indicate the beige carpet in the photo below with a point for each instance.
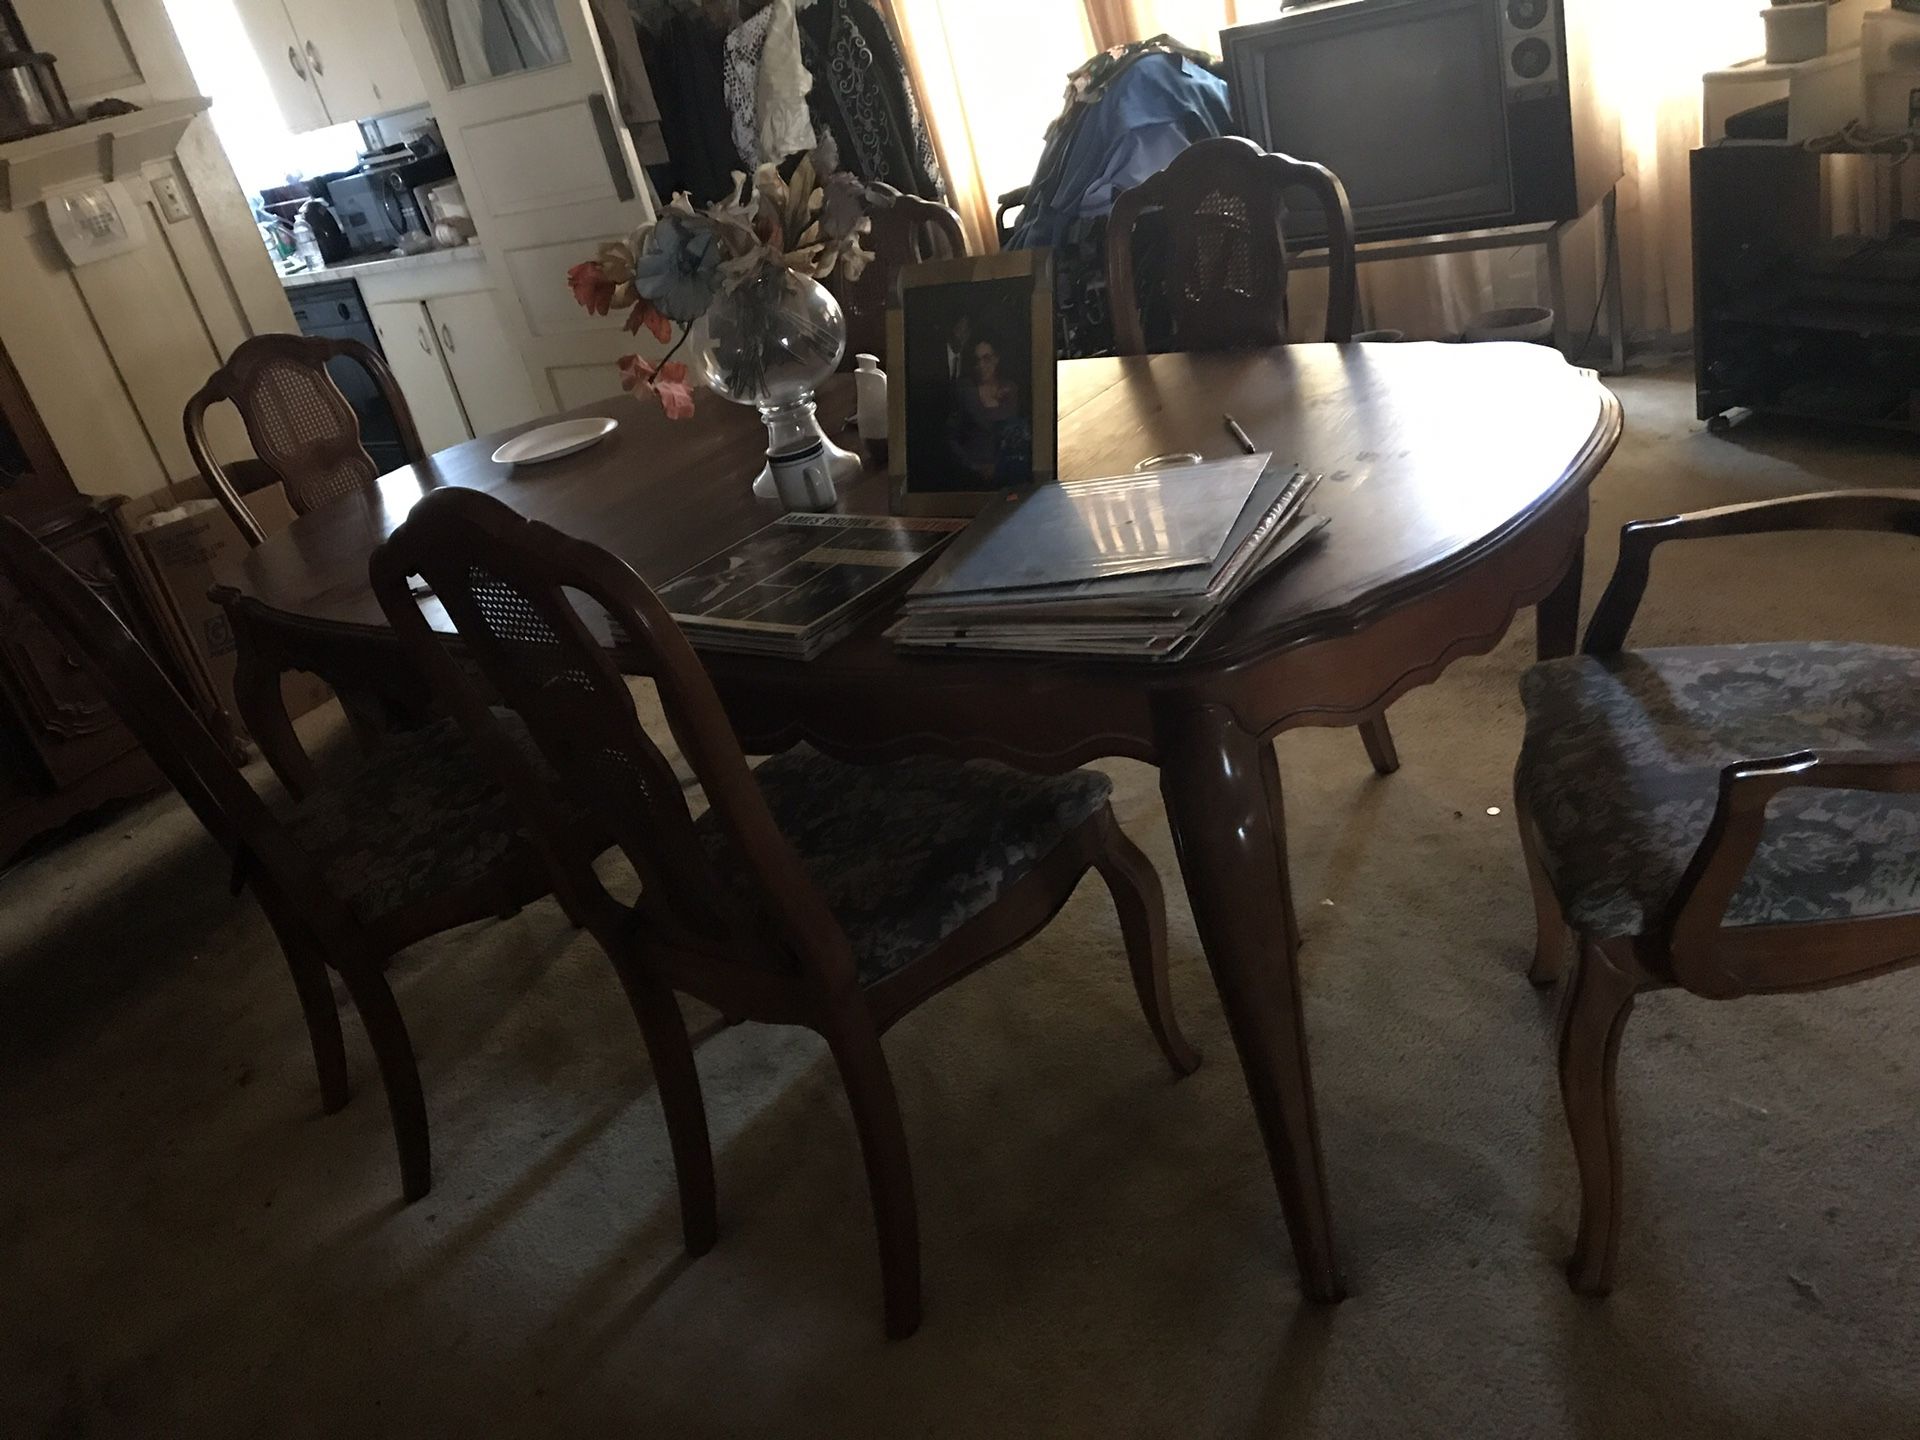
(188, 1248)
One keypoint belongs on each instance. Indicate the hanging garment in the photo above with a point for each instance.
(1126, 117)
(767, 83)
(686, 61)
(1143, 112)
(863, 98)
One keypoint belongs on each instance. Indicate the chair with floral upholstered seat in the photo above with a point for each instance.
(811, 892)
(1732, 820)
(414, 841)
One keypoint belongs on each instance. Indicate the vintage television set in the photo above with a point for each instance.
(1438, 115)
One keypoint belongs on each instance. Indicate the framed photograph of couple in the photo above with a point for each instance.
(970, 350)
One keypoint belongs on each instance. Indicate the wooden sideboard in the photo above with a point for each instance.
(62, 750)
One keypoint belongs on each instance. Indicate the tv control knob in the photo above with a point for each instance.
(1525, 14)
(1532, 59)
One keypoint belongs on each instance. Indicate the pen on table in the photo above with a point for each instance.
(1246, 440)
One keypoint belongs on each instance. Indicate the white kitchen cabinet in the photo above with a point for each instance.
(492, 383)
(447, 348)
(333, 61)
(358, 55)
(270, 31)
(413, 354)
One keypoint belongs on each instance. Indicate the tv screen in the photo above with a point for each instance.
(1406, 103)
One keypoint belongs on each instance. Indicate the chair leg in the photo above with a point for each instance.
(387, 1033)
(1135, 886)
(1598, 1002)
(1378, 739)
(310, 982)
(1552, 939)
(675, 1076)
(883, 1145)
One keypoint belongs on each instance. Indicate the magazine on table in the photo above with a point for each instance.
(1102, 631)
(795, 586)
(1089, 531)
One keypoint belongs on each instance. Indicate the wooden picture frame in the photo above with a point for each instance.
(986, 319)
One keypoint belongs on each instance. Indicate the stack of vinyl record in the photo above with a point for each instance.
(1131, 567)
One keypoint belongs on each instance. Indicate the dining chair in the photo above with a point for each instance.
(414, 841)
(810, 892)
(1731, 820)
(906, 230)
(301, 425)
(1225, 274)
(1225, 271)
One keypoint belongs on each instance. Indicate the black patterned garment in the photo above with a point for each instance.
(863, 98)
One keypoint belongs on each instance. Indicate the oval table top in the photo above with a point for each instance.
(1433, 454)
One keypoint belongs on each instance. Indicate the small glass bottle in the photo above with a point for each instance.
(870, 404)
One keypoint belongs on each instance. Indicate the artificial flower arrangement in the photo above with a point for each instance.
(749, 251)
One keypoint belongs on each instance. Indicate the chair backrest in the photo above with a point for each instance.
(512, 590)
(1226, 272)
(906, 230)
(301, 425)
(139, 692)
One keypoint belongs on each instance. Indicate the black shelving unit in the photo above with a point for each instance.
(1789, 319)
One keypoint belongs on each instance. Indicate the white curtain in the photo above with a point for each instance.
(1650, 58)
(497, 37)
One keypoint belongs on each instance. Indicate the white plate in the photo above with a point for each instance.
(550, 442)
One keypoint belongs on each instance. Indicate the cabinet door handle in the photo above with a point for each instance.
(293, 59)
(446, 337)
(313, 59)
(426, 345)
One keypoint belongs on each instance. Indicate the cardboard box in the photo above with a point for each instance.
(182, 537)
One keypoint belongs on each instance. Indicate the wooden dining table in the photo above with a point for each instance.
(1456, 481)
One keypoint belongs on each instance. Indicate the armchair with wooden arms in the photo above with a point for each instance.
(1730, 820)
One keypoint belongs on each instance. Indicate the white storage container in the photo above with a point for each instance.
(1823, 96)
(1890, 58)
(1845, 18)
(1893, 102)
(1796, 32)
(1890, 40)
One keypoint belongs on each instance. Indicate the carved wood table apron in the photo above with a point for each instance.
(1457, 485)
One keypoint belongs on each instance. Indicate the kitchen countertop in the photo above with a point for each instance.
(386, 264)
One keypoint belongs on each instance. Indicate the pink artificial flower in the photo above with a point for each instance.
(676, 395)
(592, 290)
(645, 314)
(667, 384)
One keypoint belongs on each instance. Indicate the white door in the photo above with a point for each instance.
(547, 169)
(289, 76)
(488, 374)
(413, 354)
(357, 55)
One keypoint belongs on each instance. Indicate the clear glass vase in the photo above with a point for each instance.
(768, 344)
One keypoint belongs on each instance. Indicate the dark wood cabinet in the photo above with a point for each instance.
(1791, 318)
(62, 749)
